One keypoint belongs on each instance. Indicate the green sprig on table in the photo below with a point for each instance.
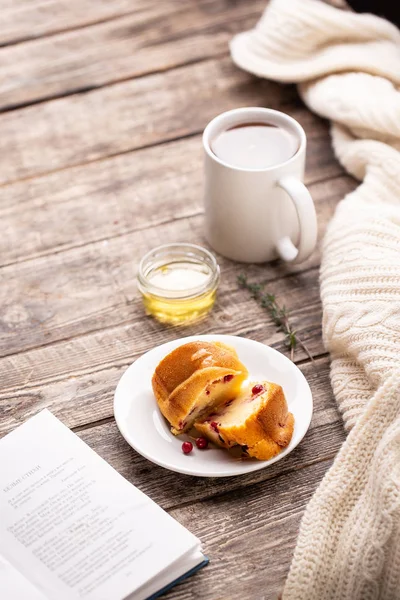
(279, 314)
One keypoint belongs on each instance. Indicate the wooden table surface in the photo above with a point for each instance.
(102, 107)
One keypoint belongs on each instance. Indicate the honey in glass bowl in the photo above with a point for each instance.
(178, 283)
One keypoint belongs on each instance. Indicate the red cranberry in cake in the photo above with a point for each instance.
(228, 378)
(257, 389)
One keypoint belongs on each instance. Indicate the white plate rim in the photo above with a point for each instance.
(248, 467)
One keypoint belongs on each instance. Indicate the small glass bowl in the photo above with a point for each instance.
(178, 282)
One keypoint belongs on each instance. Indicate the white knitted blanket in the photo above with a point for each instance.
(348, 69)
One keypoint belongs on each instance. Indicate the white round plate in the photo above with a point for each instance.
(145, 429)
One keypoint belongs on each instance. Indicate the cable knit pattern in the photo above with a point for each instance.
(348, 69)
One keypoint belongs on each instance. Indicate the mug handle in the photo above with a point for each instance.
(306, 214)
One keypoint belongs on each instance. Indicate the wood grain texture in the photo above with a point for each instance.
(249, 535)
(155, 38)
(142, 112)
(30, 19)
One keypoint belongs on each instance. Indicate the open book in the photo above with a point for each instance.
(72, 528)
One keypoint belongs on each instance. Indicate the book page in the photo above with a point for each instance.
(71, 524)
(14, 586)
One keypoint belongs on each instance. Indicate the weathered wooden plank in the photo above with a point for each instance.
(249, 536)
(167, 35)
(29, 19)
(93, 287)
(119, 195)
(145, 111)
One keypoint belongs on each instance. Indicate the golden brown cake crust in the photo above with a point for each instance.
(264, 432)
(268, 430)
(185, 373)
(182, 362)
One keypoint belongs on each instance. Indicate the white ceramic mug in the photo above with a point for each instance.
(257, 215)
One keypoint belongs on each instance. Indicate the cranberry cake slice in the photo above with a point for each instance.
(258, 420)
